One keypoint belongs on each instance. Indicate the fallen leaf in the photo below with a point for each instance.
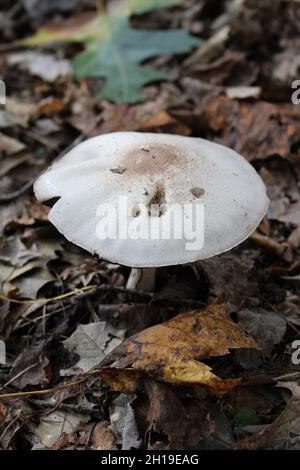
(25, 269)
(117, 55)
(9, 119)
(261, 398)
(170, 352)
(29, 284)
(30, 368)
(9, 145)
(39, 10)
(265, 326)
(279, 434)
(209, 49)
(156, 419)
(53, 425)
(45, 66)
(114, 51)
(11, 162)
(102, 437)
(123, 422)
(245, 416)
(164, 122)
(16, 413)
(128, 118)
(256, 130)
(283, 190)
(15, 253)
(229, 275)
(243, 92)
(131, 317)
(221, 437)
(12, 210)
(130, 436)
(92, 343)
(285, 64)
(50, 105)
(16, 113)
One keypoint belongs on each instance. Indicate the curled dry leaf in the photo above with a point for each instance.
(45, 66)
(161, 431)
(10, 146)
(170, 352)
(164, 122)
(284, 432)
(256, 130)
(54, 429)
(102, 437)
(91, 342)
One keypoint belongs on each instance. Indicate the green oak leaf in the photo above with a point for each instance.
(115, 51)
(117, 55)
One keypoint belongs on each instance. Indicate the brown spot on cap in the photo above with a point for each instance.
(155, 160)
(135, 211)
(156, 203)
(197, 192)
(118, 170)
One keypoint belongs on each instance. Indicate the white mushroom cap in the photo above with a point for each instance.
(147, 169)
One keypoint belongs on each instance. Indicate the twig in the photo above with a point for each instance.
(45, 300)
(286, 376)
(94, 289)
(140, 293)
(108, 288)
(19, 375)
(43, 392)
(93, 413)
(282, 250)
(10, 424)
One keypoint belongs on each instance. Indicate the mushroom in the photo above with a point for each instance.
(115, 195)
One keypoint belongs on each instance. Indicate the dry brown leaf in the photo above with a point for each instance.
(160, 430)
(4, 412)
(150, 115)
(163, 121)
(103, 438)
(279, 434)
(256, 130)
(170, 352)
(50, 105)
(10, 146)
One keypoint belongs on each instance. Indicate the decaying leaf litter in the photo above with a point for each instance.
(97, 352)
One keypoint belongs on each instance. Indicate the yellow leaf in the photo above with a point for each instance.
(90, 25)
(79, 28)
(171, 352)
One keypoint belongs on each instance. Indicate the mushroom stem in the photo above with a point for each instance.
(141, 278)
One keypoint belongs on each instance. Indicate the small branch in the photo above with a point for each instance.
(89, 291)
(93, 413)
(108, 288)
(139, 293)
(48, 390)
(282, 250)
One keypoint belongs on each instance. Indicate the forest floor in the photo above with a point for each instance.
(63, 311)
